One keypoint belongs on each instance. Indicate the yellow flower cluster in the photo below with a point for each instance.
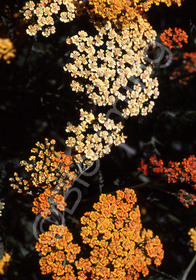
(4, 263)
(45, 12)
(122, 12)
(192, 233)
(111, 67)
(48, 169)
(58, 252)
(119, 247)
(117, 11)
(93, 137)
(7, 50)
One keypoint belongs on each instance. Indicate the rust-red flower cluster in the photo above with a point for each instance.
(183, 172)
(173, 38)
(187, 69)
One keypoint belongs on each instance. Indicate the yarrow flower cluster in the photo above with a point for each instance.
(47, 169)
(110, 67)
(122, 12)
(183, 172)
(192, 233)
(187, 70)
(45, 12)
(4, 263)
(48, 175)
(93, 137)
(46, 201)
(189, 61)
(120, 248)
(7, 50)
(173, 38)
(58, 252)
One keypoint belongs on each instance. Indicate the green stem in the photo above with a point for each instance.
(186, 273)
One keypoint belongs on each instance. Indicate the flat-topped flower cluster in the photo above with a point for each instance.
(93, 137)
(119, 247)
(45, 12)
(111, 67)
(122, 12)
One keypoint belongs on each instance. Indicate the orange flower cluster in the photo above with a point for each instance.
(47, 169)
(118, 11)
(4, 263)
(174, 38)
(192, 233)
(120, 248)
(45, 201)
(123, 11)
(58, 252)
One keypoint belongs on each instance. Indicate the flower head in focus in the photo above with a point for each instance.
(174, 38)
(111, 67)
(58, 252)
(122, 12)
(48, 176)
(45, 169)
(45, 12)
(93, 137)
(120, 248)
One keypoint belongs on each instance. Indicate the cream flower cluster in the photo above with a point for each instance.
(44, 11)
(111, 67)
(94, 136)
